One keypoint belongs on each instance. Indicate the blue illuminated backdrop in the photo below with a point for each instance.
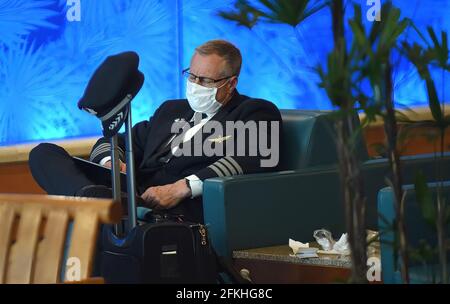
(46, 60)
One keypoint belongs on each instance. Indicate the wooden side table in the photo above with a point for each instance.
(275, 265)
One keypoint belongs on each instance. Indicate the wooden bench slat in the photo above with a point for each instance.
(20, 270)
(50, 250)
(83, 242)
(6, 221)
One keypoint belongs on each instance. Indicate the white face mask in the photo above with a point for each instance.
(202, 99)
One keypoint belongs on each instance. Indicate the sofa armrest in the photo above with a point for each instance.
(258, 210)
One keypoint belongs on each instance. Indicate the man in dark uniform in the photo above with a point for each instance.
(168, 176)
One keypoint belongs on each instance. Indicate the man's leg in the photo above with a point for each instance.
(55, 171)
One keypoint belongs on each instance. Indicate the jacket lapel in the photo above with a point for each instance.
(223, 112)
(162, 133)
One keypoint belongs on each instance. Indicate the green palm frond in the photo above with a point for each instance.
(336, 78)
(243, 14)
(439, 50)
(435, 53)
(291, 12)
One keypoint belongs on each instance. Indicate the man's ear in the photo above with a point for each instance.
(233, 83)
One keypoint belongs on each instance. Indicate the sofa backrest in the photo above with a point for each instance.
(308, 139)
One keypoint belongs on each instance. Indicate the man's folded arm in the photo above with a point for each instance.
(225, 166)
(101, 150)
(231, 165)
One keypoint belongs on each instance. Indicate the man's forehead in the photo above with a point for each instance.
(207, 65)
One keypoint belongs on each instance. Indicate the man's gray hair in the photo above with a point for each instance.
(227, 51)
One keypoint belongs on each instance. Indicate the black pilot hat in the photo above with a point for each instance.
(112, 87)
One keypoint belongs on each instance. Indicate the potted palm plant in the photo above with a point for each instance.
(366, 57)
(337, 81)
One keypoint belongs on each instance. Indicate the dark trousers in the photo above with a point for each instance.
(56, 172)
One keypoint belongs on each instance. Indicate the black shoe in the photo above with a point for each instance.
(101, 191)
(98, 191)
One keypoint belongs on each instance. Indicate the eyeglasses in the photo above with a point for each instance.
(203, 81)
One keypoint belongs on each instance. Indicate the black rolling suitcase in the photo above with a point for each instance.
(163, 248)
(164, 251)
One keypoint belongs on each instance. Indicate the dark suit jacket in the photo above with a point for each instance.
(149, 137)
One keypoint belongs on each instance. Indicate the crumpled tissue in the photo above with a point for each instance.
(295, 245)
(329, 245)
(302, 250)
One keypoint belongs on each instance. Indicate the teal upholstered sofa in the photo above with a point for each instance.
(257, 210)
(416, 230)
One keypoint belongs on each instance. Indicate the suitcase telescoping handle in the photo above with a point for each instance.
(131, 185)
(115, 174)
(115, 179)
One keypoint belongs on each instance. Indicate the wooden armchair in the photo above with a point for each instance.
(33, 232)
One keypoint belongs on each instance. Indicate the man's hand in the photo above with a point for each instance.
(167, 196)
(122, 166)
